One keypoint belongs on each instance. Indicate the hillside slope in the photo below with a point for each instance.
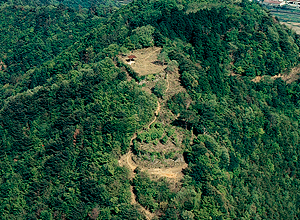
(71, 108)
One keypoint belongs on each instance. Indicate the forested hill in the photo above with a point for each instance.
(75, 4)
(70, 108)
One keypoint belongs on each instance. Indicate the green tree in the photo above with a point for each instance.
(172, 66)
(163, 58)
(160, 88)
(143, 36)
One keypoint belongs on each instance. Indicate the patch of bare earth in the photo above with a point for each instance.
(293, 25)
(156, 114)
(289, 77)
(146, 63)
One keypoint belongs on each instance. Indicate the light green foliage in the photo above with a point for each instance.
(143, 37)
(160, 88)
(172, 66)
(106, 69)
(170, 132)
(112, 51)
(163, 58)
(150, 77)
(261, 131)
(164, 140)
(124, 51)
(151, 135)
(67, 113)
(141, 136)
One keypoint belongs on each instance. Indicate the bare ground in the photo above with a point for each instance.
(290, 77)
(146, 62)
(172, 173)
(126, 160)
(293, 25)
(156, 113)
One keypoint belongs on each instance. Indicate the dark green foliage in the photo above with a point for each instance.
(241, 34)
(259, 142)
(62, 139)
(33, 36)
(160, 88)
(67, 111)
(129, 70)
(149, 193)
(164, 140)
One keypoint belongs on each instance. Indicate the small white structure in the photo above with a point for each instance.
(130, 62)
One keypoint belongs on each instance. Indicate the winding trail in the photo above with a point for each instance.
(292, 76)
(147, 214)
(172, 173)
(155, 114)
(158, 106)
(168, 83)
(126, 160)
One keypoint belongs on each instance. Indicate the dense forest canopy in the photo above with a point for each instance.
(70, 108)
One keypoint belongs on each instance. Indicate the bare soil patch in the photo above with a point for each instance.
(293, 25)
(160, 167)
(146, 61)
(156, 113)
(173, 173)
(289, 77)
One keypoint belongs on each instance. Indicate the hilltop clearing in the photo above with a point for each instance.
(146, 62)
(152, 154)
(169, 134)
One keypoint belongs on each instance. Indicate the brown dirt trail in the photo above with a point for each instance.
(292, 76)
(156, 114)
(145, 65)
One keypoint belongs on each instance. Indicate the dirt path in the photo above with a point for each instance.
(142, 66)
(156, 114)
(174, 172)
(147, 214)
(126, 160)
(292, 76)
(129, 161)
(158, 105)
(133, 196)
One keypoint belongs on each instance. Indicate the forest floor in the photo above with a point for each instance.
(146, 64)
(288, 77)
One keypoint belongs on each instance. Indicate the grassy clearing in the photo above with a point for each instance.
(146, 62)
(158, 149)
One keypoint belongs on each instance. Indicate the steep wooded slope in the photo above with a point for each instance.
(68, 112)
